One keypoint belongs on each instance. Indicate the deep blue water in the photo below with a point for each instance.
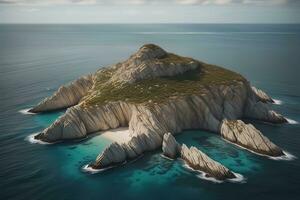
(36, 59)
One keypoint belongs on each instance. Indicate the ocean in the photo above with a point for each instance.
(36, 59)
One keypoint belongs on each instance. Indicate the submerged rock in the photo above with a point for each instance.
(155, 92)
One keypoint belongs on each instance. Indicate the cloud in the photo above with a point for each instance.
(48, 2)
(149, 2)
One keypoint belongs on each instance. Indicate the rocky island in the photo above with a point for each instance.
(157, 94)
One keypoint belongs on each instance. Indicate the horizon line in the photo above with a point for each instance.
(151, 23)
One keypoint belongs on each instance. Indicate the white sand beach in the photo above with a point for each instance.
(120, 135)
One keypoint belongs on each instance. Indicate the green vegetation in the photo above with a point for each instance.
(160, 89)
(173, 58)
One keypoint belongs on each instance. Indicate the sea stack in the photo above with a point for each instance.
(155, 92)
(195, 158)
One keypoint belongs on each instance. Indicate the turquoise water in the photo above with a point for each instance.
(37, 59)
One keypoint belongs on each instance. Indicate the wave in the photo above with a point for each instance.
(239, 178)
(32, 140)
(203, 175)
(277, 102)
(88, 169)
(291, 121)
(287, 156)
(26, 111)
(166, 157)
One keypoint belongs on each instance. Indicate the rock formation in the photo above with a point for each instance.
(170, 147)
(149, 62)
(246, 135)
(155, 92)
(261, 95)
(195, 158)
(66, 96)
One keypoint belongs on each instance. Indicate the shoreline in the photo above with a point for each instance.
(119, 135)
(30, 138)
(25, 111)
(202, 175)
(287, 156)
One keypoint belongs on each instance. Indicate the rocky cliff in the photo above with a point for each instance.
(155, 92)
(66, 96)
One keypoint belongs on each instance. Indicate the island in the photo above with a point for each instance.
(157, 94)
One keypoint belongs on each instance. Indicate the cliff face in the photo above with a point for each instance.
(155, 92)
(170, 147)
(66, 96)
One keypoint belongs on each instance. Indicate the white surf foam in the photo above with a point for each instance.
(26, 111)
(88, 169)
(287, 156)
(239, 178)
(166, 157)
(291, 121)
(277, 102)
(204, 176)
(32, 140)
(91, 170)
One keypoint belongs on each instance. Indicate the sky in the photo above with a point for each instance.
(149, 11)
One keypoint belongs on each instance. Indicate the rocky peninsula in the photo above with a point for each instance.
(157, 94)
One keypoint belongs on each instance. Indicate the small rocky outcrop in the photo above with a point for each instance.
(113, 155)
(261, 111)
(247, 136)
(155, 92)
(200, 161)
(261, 95)
(195, 158)
(170, 147)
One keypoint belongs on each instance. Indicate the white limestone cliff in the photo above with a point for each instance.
(65, 96)
(148, 122)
